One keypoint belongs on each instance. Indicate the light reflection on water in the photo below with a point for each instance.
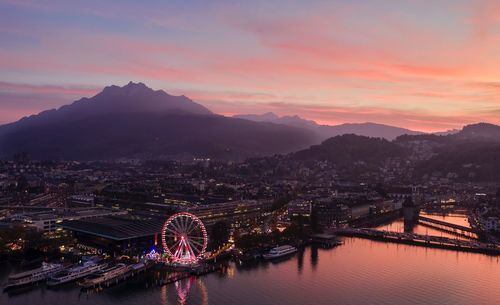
(459, 219)
(358, 272)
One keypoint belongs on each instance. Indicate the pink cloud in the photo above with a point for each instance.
(315, 62)
(19, 100)
(48, 89)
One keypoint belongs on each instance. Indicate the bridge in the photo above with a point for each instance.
(421, 240)
(448, 227)
(447, 224)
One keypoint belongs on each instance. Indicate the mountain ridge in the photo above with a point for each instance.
(136, 121)
(369, 129)
(133, 97)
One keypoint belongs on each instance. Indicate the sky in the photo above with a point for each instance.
(424, 65)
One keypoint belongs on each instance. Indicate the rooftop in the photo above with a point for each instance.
(74, 213)
(116, 228)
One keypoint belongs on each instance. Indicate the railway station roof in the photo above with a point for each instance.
(116, 228)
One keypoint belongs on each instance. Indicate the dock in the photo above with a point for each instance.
(325, 240)
(187, 272)
(133, 271)
(421, 240)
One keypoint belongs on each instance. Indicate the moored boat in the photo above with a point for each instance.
(281, 251)
(104, 275)
(32, 276)
(75, 273)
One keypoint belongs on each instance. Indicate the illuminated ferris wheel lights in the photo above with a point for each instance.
(184, 238)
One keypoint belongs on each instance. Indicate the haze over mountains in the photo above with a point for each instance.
(326, 131)
(135, 121)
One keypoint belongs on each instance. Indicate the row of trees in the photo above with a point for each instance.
(28, 243)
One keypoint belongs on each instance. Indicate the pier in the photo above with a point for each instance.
(325, 240)
(445, 224)
(421, 240)
(132, 272)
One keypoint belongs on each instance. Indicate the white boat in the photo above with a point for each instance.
(280, 252)
(32, 276)
(105, 275)
(75, 273)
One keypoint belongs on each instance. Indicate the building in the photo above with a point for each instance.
(330, 213)
(83, 199)
(145, 209)
(491, 224)
(115, 235)
(238, 213)
(299, 208)
(50, 221)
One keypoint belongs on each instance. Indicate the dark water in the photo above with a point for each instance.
(358, 272)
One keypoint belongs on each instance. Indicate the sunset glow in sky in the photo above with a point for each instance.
(423, 65)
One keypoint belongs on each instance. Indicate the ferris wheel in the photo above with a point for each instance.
(184, 238)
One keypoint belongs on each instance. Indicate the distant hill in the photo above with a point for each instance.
(135, 121)
(480, 131)
(472, 154)
(464, 161)
(347, 149)
(295, 120)
(326, 131)
(446, 132)
(469, 133)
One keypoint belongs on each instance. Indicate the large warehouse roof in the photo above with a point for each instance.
(116, 228)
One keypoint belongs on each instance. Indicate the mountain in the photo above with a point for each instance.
(326, 131)
(368, 129)
(295, 120)
(465, 160)
(471, 154)
(135, 121)
(131, 98)
(265, 117)
(473, 133)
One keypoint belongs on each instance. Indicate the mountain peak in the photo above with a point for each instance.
(138, 84)
(265, 117)
(138, 97)
(131, 98)
(135, 121)
(130, 88)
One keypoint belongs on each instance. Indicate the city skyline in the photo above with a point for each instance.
(418, 65)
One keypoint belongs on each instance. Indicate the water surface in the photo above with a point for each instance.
(358, 272)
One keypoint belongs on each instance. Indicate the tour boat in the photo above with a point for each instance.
(280, 252)
(75, 273)
(32, 276)
(105, 275)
